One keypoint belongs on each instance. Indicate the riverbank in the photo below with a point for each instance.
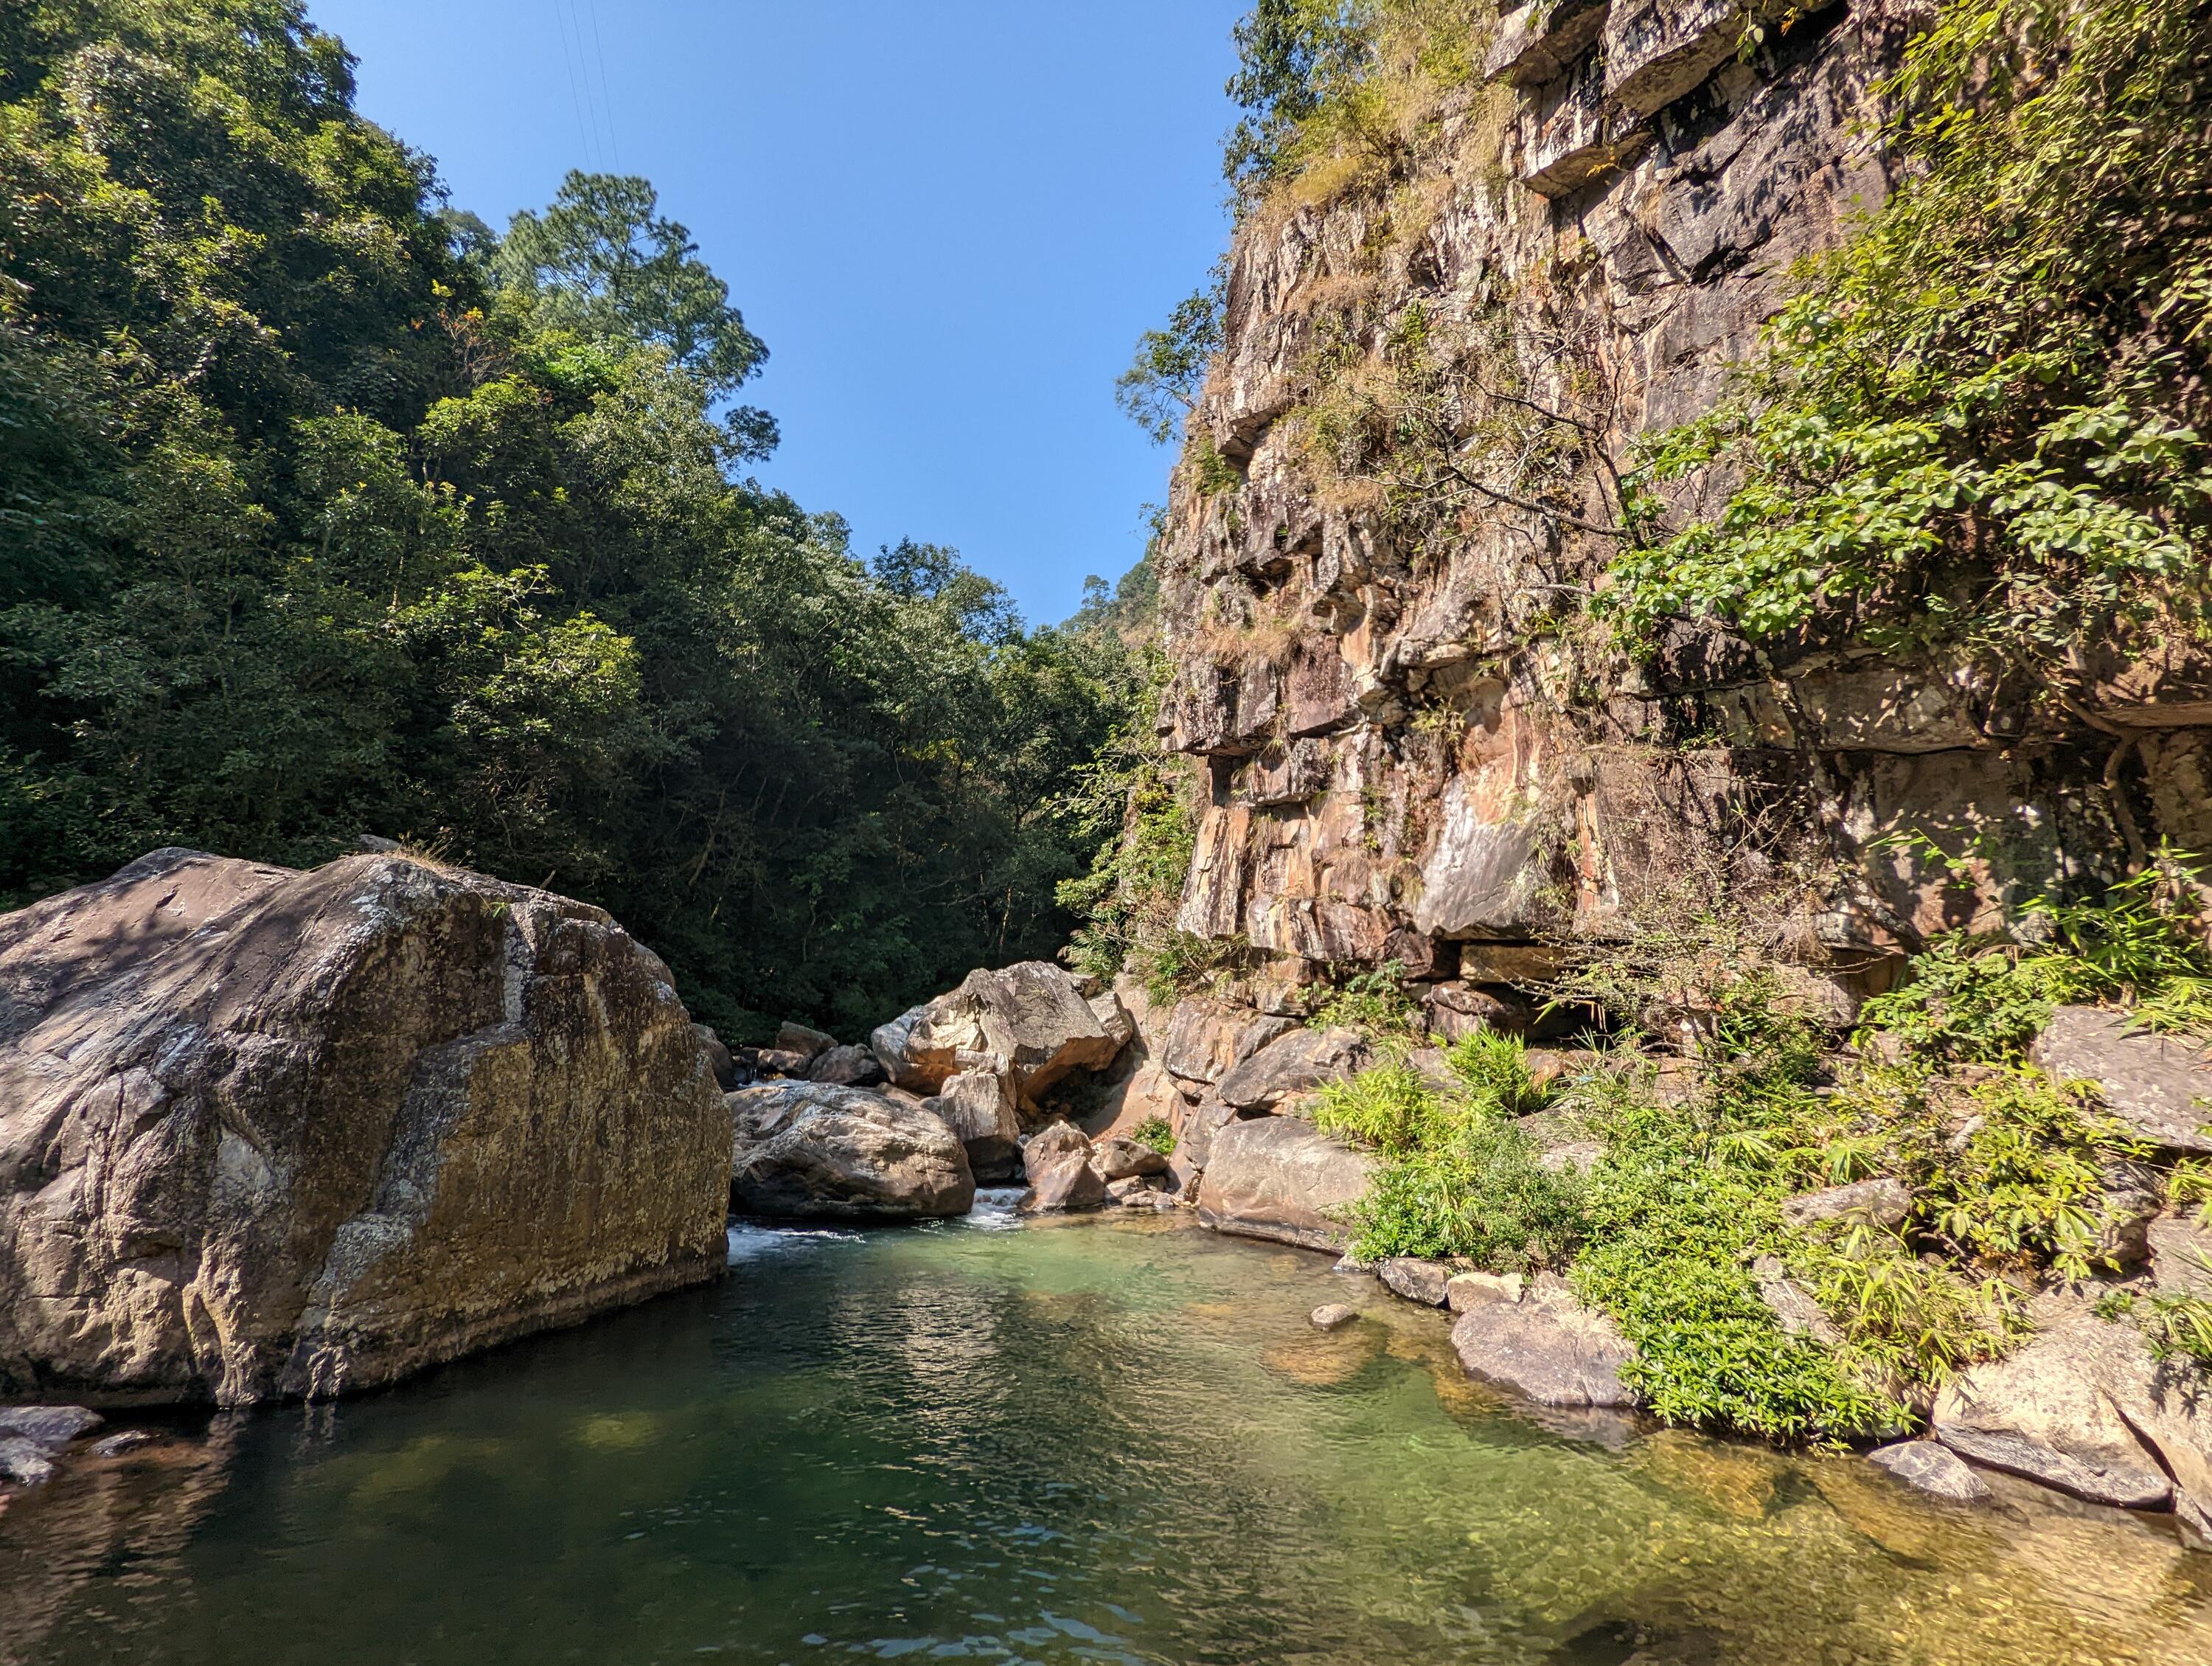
(1108, 1437)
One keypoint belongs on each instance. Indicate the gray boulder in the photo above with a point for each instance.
(2161, 1088)
(719, 1057)
(1033, 1021)
(31, 1437)
(1291, 1064)
(1280, 1178)
(1417, 1281)
(978, 1106)
(809, 1151)
(1124, 1159)
(2084, 1407)
(267, 1133)
(808, 1044)
(1883, 1201)
(1933, 1469)
(1057, 1163)
(2181, 1246)
(848, 1066)
(1207, 1039)
(1548, 1347)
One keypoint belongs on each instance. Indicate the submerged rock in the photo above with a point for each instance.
(1331, 1315)
(267, 1133)
(1548, 1345)
(31, 1437)
(1282, 1178)
(1933, 1470)
(809, 1151)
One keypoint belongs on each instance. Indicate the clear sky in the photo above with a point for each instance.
(949, 219)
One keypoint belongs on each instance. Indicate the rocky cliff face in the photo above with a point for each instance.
(1404, 476)
(268, 1133)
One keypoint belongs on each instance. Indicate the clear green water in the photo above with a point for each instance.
(1089, 1441)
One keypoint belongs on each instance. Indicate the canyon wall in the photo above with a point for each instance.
(1401, 489)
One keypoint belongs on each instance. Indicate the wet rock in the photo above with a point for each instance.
(809, 1151)
(129, 1440)
(48, 1426)
(1032, 1020)
(1331, 1315)
(1061, 1176)
(1417, 1281)
(2158, 1087)
(1883, 1202)
(848, 1066)
(1548, 1347)
(978, 1106)
(24, 1462)
(1291, 1064)
(1467, 1290)
(271, 1134)
(1280, 1178)
(1123, 1159)
(1933, 1469)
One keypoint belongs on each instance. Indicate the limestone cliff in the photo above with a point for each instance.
(1403, 477)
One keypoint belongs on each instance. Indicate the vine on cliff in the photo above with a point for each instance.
(1978, 424)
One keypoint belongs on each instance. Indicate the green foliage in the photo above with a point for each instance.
(1458, 1178)
(1980, 422)
(1292, 56)
(1155, 1134)
(1160, 387)
(1983, 999)
(325, 510)
(1375, 1001)
(1137, 805)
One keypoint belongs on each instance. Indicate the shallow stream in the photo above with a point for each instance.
(1109, 1439)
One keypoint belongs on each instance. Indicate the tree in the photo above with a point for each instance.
(1160, 387)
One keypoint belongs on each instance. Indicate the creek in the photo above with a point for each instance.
(1091, 1440)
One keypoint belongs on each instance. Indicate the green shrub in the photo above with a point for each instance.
(1375, 1003)
(1459, 1177)
(1155, 1133)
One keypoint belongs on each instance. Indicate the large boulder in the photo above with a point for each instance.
(1280, 1178)
(978, 1106)
(2084, 1407)
(1033, 1020)
(1292, 1065)
(811, 1151)
(848, 1066)
(268, 1133)
(1061, 1176)
(1206, 1039)
(1546, 1346)
(2161, 1088)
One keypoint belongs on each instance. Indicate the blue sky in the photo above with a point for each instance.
(950, 221)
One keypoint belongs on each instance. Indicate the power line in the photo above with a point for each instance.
(606, 87)
(575, 93)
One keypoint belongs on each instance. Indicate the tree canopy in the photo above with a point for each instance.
(323, 510)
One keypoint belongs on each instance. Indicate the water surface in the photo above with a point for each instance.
(1105, 1440)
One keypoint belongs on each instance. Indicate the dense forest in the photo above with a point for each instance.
(325, 510)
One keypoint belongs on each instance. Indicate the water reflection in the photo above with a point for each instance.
(1097, 1441)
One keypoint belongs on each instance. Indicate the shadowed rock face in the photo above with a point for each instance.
(811, 1151)
(268, 1133)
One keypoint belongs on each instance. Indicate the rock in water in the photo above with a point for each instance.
(978, 1106)
(1280, 1178)
(1331, 1315)
(811, 1151)
(1935, 1470)
(1548, 1345)
(1062, 1178)
(1417, 1281)
(269, 1134)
